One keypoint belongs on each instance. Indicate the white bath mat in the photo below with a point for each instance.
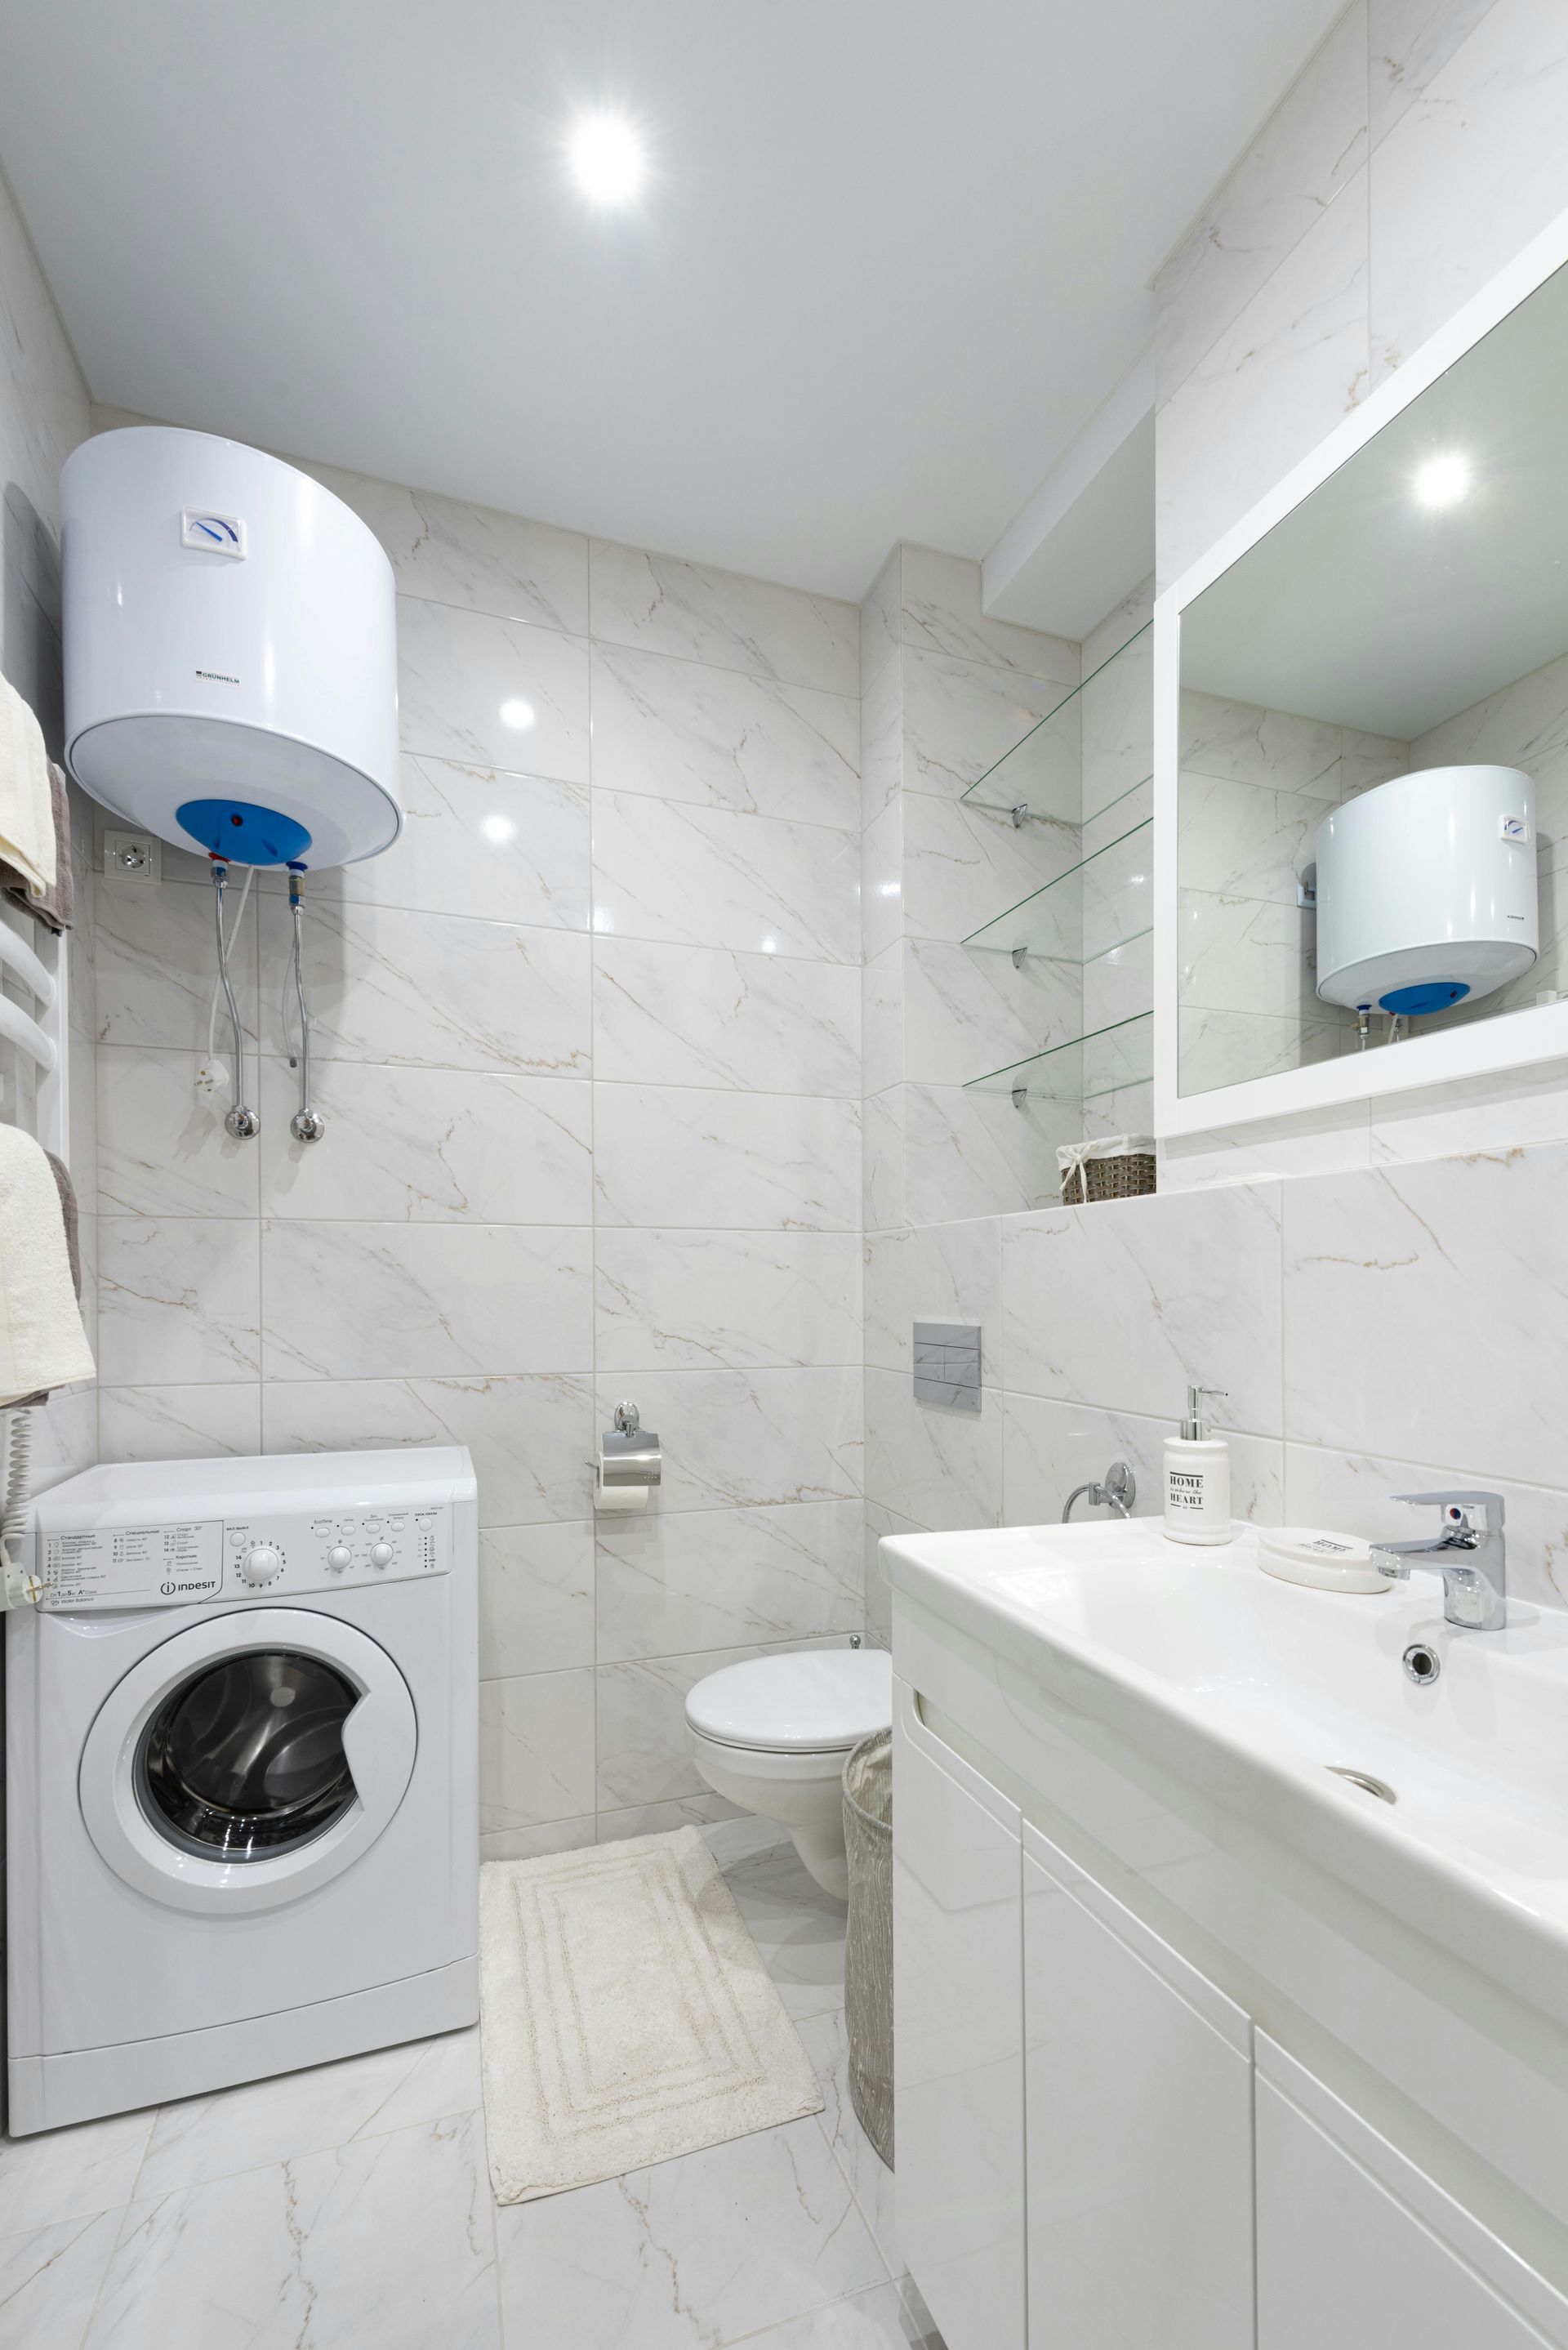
(625, 2015)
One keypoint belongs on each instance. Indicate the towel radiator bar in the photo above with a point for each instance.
(44, 1039)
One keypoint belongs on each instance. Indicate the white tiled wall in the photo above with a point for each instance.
(589, 1047)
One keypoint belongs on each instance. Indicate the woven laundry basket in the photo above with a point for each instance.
(1116, 1167)
(869, 1949)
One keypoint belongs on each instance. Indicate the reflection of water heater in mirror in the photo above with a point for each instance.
(231, 651)
(1427, 890)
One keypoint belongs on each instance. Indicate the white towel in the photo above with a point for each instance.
(42, 1342)
(26, 804)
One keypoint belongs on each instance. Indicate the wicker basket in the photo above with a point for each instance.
(1120, 1169)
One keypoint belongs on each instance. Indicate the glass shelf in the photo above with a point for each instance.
(1081, 1069)
(1041, 775)
(1050, 920)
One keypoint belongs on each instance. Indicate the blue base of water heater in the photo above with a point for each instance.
(1431, 995)
(244, 833)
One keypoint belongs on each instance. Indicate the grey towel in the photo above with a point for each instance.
(67, 1192)
(56, 910)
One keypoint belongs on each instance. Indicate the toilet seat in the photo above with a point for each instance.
(811, 1701)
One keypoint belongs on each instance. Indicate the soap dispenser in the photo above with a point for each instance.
(1197, 1478)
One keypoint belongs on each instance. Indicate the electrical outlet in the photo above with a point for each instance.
(131, 856)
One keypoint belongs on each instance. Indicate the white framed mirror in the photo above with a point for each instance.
(1361, 744)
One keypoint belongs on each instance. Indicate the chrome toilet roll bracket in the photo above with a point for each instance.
(629, 1454)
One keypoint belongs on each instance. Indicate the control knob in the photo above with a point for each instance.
(339, 1557)
(261, 1564)
(382, 1555)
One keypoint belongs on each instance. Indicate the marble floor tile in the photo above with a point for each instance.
(50, 2281)
(245, 2129)
(387, 2240)
(878, 2320)
(70, 2174)
(797, 1927)
(691, 2254)
(827, 2040)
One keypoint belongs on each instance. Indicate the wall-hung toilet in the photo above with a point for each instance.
(774, 1736)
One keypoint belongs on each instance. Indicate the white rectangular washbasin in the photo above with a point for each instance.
(1261, 1693)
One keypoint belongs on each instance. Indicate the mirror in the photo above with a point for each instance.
(1372, 787)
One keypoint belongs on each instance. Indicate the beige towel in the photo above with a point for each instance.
(42, 1342)
(26, 803)
(56, 910)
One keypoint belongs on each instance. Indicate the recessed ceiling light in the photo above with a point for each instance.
(1442, 481)
(518, 713)
(607, 159)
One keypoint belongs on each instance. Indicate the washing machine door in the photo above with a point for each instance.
(247, 1760)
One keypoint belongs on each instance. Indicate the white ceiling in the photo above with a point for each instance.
(893, 255)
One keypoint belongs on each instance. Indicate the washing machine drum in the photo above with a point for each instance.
(247, 1760)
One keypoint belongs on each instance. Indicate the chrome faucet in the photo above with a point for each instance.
(1468, 1551)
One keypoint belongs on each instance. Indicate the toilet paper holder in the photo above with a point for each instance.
(629, 1454)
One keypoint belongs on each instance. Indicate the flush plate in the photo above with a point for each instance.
(946, 1364)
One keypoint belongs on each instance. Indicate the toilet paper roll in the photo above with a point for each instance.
(620, 1497)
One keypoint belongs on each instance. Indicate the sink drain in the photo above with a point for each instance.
(1365, 1780)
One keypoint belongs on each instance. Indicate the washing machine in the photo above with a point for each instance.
(241, 1762)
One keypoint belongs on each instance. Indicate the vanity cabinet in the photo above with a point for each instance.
(958, 1996)
(1137, 2095)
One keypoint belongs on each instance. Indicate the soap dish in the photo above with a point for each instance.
(1328, 1561)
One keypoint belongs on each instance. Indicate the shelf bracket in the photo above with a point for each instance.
(1019, 1096)
(1018, 813)
(1019, 955)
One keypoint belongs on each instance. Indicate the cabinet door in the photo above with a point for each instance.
(1359, 2249)
(958, 2001)
(1138, 2116)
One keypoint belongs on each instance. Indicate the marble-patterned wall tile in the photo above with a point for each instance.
(882, 740)
(879, 1524)
(1245, 954)
(644, 1751)
(1118, 985)
(1309, 148)
(960, 717)
(1237, 841)
(1354, 1492)
(1125, 1109)
(157, 964)
(479, 841)
(678, 1015)
(882, 880)
(1421, 1302)
(973, 1154)
(1229, 1048)
(1269, 1146)
(701, 876)
(942, 613)
(1249, 744)
(939, 1465)
(939, 1272)
(678, 1155)
(161, 1147)
(968, 1010)
(429, 1145)
(537, 1843)
(1508, 1111)
(692, 1580)
(64, 1436)
(719, 738)
(451, 552)
(882, 1020)
(492, 692)
(882, 1203)
(1410, 42)
(1283, 375)
(669, 1300)
(1123, 1302)
(1115, 890)
(745, 1440)
(359, 1301)
(1524, 724)
(531, 1437)
(1366, 760)
(664, 606)
(1048, 1448)
(536, 1749)
(179, 1423)
(1116, 722)
(963, 865)
(1473, 167)
(881, 619)
(1118, 817)
(435, 991)
(179, 1301)
(535, 1599)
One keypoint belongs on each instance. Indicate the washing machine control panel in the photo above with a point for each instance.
(265, 1556)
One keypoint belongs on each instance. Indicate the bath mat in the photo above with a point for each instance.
(625, 2015)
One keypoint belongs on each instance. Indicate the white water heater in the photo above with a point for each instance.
(1427, 890)
(230, 651)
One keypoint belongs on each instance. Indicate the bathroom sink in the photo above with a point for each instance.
(1292, 1711)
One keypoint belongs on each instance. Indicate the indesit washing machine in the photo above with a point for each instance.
(241, 1775)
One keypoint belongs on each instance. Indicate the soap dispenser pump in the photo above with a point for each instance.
(1197, 1477)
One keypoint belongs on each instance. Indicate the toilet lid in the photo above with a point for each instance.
(804, 1703)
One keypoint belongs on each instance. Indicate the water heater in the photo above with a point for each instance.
(1427, 890)
(230, 651)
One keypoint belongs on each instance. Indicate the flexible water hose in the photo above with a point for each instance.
(241, 1122)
